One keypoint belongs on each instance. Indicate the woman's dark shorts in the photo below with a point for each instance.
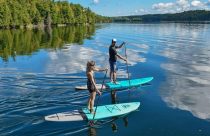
(90, 87)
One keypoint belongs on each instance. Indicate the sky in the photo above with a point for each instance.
(140, 7)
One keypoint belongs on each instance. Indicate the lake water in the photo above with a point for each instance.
(40, 68)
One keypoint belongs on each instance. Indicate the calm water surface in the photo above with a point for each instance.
(40, 68)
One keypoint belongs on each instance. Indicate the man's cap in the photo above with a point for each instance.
(114, 40)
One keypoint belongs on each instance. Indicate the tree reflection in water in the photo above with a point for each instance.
(25, 42)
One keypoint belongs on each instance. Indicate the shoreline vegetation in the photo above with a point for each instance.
(193, 16)
(45, 13)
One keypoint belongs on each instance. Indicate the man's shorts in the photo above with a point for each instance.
(113, 66)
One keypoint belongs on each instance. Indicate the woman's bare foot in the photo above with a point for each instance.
(92, 111)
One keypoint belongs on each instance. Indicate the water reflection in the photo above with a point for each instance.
(92, 132)
(73, 59)
(26, 42)
(188, 70)
(112, 122)
(114, 100)
(43, 82)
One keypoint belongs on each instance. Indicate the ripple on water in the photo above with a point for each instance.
(44, 83)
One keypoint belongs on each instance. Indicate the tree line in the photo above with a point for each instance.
(26, 13)
(187, 16)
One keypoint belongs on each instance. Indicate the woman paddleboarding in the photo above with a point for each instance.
(91, 83)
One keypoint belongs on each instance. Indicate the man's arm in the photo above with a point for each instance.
(119, 56)
(120, 45)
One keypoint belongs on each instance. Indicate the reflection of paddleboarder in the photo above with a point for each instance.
(113, 96)
(92, 132)
(91, 84)
(125, 119)
(114, 127)
(114, 101)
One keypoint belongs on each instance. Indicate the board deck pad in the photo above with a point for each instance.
(66, 116)
(84, 87)
(112, 110)
(105, 111)
(128, 83)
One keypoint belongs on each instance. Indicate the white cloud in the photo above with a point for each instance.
(162, 6)
(140, 11)
(183, 4)
(136, 11)
(196, 3)
(95, 1)
(180, 5)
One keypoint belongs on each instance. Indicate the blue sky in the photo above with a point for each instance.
(139, 7)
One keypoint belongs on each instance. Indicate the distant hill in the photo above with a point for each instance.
(187, 16)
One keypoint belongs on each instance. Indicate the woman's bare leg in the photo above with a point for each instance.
(92, 99)
(89, 103)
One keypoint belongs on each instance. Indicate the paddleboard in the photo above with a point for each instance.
(128, 83)
(112, 110)
(75, 115)
(84, 87)
(102, 112)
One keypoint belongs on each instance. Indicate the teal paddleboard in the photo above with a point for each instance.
(112, 110)
(128, 83)
(102, 112)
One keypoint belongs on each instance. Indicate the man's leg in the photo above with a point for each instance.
(115, 72)
(111, 71)
(114, 76)
(111, 76)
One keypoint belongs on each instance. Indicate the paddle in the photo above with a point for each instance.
(127, 66)
(99, 95)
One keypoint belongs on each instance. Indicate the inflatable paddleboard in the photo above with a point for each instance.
(105, 111)
(128, 83)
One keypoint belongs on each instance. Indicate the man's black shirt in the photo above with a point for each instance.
(112, 53)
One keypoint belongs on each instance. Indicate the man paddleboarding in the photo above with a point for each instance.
(113, 55)
(91, 83)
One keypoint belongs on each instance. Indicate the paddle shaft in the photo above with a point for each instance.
(127, 65)
(99, 95)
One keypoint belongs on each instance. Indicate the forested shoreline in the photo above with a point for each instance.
(187, 16)
(39, 13)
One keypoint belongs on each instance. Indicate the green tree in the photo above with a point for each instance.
(16, 13)
(5, 14)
